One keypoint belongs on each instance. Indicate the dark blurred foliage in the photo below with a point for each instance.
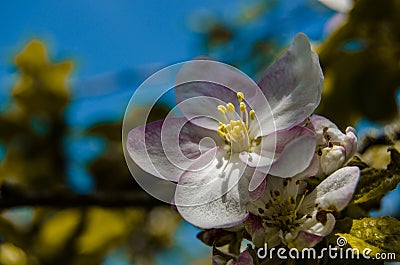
(360, 59)
(34, 120)
(361, 62)
(63, 227)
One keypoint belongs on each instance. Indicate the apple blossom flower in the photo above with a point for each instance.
(288, 214)
(334, 148)
(256, 130)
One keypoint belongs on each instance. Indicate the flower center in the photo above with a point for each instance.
(281, 211)
(235, 131)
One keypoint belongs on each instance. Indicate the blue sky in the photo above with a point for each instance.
(104, 36)
(115, 45)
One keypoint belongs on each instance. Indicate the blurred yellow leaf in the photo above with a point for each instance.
(377, 156)
(12, 255)
(33, 126)
(163, 230)
(42, 84)
(104, 227)
(56, 230)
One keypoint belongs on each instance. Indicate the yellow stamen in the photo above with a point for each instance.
(252, 115)
(222, 109)
(236, 132)
(230, 107)
(240, 96)
(242, 107)
(221, 132)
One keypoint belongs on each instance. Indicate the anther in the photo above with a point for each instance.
(319, 152)
(285, 183)
(222, 109)
(252, 115)
(242, 107)
(230, 107)
(221, 133)
(240, 96)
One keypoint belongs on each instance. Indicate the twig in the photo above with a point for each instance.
(13, 196)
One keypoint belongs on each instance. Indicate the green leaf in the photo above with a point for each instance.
(357, 162)
(381, 235)
(375, 183)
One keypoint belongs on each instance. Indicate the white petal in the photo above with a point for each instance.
(166, 148)
(350, 142)
(295, 158)
(293, 85)
(311, 232)
(319, 123)
(332, 159)
(215, 197)
(284, 153)
(202, 85)
(336, 191)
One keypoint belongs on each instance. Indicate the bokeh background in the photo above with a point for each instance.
(69, 68)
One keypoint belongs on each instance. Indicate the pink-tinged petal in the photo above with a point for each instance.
(202, 108)
(255, 228)
(295, 157)
(284, 153)
(312, 231)
(336, 190)
(245, 259)
(350, 142)
(215, 196)
(321, 224)
(304, 240)
(257, 193)
(324, 126)
(166, 148)
(210, 79)
(319, 123)
(312, 169)
(293, 84)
